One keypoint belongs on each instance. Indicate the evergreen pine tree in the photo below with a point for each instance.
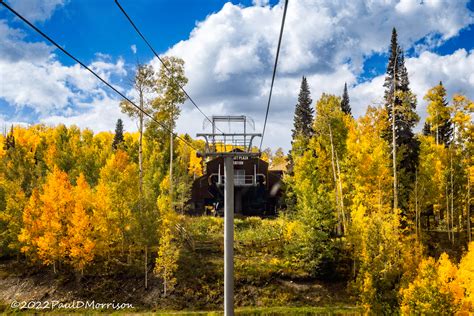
(427, 129)
(445, 129)
(9, 140)
(118, 138)
(345, 106)
(303, 120)
(301, 134)
(399, 96)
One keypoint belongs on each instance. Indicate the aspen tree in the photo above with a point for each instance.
(46, 217)
(80, 240)
(143, 83)
(166, 262)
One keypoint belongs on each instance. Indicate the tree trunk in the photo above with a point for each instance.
(171, 167)
(339, 228)
(447, 212)
(146, 267)
(437, 128)
(341, 195)
(140, 176)
(468, 207)
(452, 197)
(164, 282)
(416, 205)
(394, 142)
(140, 148)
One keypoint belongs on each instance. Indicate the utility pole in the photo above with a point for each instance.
(229, 146)
(229, 236)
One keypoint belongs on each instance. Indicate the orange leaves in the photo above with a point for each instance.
(32, 224)
(45, 227)
(449, 285)
(80, 242)
(466, 278)
(441, 287)
(56, 223)
(429, 292)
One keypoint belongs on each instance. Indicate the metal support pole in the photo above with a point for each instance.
(229, 237)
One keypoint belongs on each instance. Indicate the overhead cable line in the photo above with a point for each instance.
(94, 73)
(274, 72)
(161, 60)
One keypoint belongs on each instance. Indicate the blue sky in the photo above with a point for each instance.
(228, 47)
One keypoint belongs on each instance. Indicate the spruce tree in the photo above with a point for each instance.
(303, 120)
(118, 137)
(345, 106)
(427, 129)
(301, 134)
(398, 96)
(9, 140)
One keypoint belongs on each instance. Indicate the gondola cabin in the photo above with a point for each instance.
(256, 188)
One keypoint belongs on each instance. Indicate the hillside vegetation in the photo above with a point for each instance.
(373, 213)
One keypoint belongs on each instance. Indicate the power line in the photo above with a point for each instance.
(161, 60)
(94, 73)
(274, 72)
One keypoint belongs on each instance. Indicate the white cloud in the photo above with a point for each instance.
(37, 86)
(38, 81)
(134, 48)
(6, 123)
(456, 71)
(13, 47)
(260, 3)
(366, 93)
(37, 10)
(100, 114)
(49, 86)
(229, 56)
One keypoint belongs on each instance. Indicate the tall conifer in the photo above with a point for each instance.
(303, 120)
(398, 96)
(118, 137)
(345, 105)
(9, 140)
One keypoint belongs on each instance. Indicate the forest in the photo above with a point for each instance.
(369, 203)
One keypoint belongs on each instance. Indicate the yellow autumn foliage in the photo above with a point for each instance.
(195, 164)
(465, 278)
(80, 241)
(166, 263)
(45, 219)
(441, 287)
(57, 226)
